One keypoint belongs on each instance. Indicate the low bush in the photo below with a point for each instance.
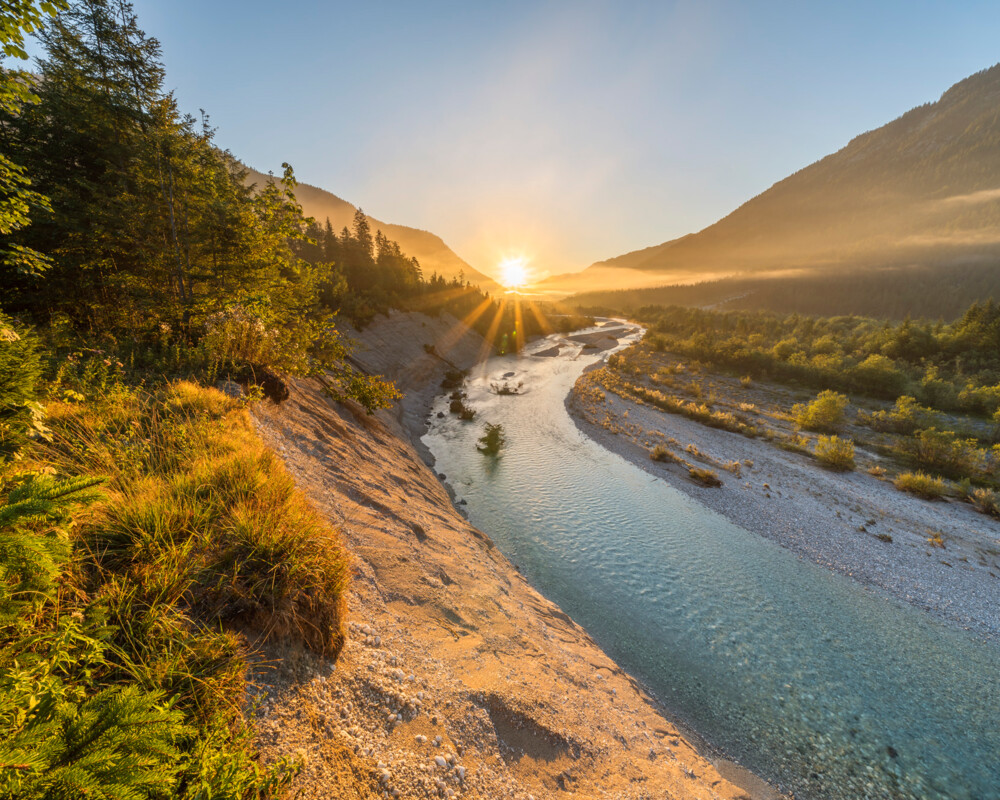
(664, 454)
(945, 453)
(920, 484)
(464, 411)
(705, 477)
(492, 440)
(825, 414)
(986, 501)
(835, 453)
(905, 417)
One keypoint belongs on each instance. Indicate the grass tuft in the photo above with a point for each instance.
(921, 484)
(202, 519)
(705, 477)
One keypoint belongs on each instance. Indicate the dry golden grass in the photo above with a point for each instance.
(200, 517)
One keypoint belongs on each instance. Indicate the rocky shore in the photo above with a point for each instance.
(457, 679)
(940, 556)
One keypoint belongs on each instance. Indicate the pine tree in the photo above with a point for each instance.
(17, 199)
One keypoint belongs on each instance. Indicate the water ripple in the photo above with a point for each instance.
(808, 678)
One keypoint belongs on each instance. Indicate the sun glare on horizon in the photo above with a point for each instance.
(513, 272)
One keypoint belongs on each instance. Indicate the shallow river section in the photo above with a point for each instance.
(826, 688)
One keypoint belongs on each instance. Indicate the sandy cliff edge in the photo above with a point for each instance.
(458, 679)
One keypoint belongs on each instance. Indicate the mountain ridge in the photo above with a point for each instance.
(924, 187)
(428, 248)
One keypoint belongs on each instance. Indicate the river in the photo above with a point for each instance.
(824, 687)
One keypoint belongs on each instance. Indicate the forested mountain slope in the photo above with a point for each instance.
(430, 250)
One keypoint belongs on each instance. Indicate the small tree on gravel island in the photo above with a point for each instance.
(493, 440)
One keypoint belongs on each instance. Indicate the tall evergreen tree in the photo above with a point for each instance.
(17, 199)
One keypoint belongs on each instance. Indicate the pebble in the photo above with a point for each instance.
(440, 761)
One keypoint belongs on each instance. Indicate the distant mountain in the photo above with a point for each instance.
(922, 190)
(430, 250)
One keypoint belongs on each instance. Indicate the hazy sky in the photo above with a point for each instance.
(566, 131)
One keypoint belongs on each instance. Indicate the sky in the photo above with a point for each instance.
(563, 132)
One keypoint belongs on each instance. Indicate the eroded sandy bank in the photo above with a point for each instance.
(446, 639)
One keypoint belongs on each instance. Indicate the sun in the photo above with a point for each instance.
(513, 272)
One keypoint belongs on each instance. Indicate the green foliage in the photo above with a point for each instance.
(493, 440)
(906, 417)
(116, 678)
(826, 413)
(835, 453)
(20, 374)
(946, 367)
(17, 199)
(945, 453)
(921, 484)
(986, 501)
(120, 743)
(34, 546)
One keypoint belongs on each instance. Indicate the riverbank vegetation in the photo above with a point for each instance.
(149, 545)
(939, 432)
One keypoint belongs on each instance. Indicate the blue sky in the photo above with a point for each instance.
(564, 131)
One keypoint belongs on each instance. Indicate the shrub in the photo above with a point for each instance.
(656, 342)
(826, 413)
(664, 454)
(705, 477)
(878, 375)
(986, 501)
(905, 417)
(944, 452)
(920, 484)
(493, 440)
(835, 453)
(464, 411)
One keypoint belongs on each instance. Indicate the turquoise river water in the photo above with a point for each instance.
(826, 688)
